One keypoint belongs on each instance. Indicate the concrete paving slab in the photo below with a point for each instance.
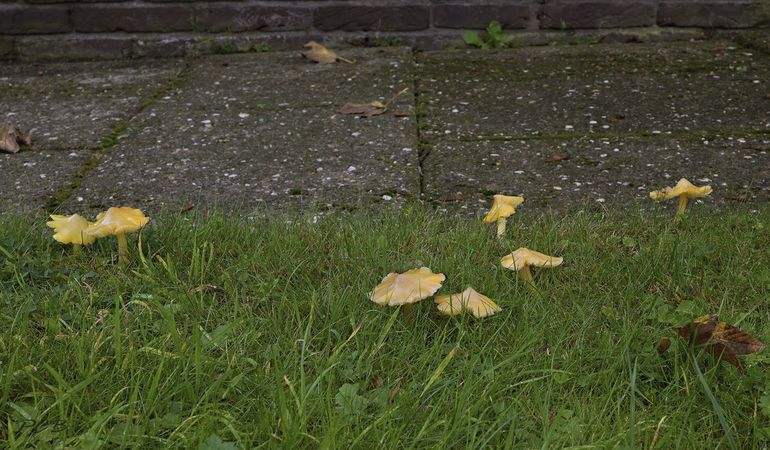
(273, 158)
(238, 133)
(276, 80)
(594, 89)
(618, 171)
(75, 105)
(30, 178)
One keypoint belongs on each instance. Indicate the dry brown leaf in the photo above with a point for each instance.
(376, 382)
(720, 338)
(394, 392)
(456, 197)
(322, 55)
(370, 109)
(363, 109)
(401, 114)
(663, 345)
(11, 137)
(557, 158)
(737, 198)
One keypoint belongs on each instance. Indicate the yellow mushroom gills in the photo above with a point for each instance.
(477, 304)
(71, 230)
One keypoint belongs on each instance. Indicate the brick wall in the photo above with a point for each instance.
(62, 29)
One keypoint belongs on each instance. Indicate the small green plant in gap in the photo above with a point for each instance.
(493, 37)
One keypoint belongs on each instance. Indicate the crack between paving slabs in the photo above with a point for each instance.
(62, 195)
(423, 147)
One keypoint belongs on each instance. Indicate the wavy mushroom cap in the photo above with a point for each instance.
(683, 187)
(502, 207)
(525, 257)
(468, 300)
(71, 229)
(406, 288)
(116, 221)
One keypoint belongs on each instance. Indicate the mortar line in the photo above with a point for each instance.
(110, 140)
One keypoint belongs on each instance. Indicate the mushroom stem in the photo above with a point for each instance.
(500, 226)
(526, 276)
(76, 249)
(122, 249)
(408, 312)
(682, 204)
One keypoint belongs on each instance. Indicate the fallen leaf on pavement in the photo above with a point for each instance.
(370, 109)
(456, 197)
(11, 137)
(322, 55)
(367, 110)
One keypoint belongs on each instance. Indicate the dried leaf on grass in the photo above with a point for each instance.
(721, 339)
(322, 55)
(11, 137)
(370, 109)
(394, 392)
(737, 198)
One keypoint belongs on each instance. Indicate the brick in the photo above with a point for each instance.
(463, 15)
(19, 19)
(41, 2)
(35, 48)
(713, 14)
(571, 14)
(163, 46)
(372, 18)
(133, 17)
(250, 17)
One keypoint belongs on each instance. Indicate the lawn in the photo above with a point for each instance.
(227, 332)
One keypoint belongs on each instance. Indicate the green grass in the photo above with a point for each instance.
(259, 334)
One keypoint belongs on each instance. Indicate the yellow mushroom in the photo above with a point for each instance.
(398, 289)
(71, 230)
(503, 206)
(684, 190)
(522, 258)
(118, 222)
(468, 300)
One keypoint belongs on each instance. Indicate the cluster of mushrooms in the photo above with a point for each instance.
(118, 222)
(405, 289)
(396, 289)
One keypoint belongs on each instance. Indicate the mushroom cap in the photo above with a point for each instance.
(406, 288)
(468, 300)
(502, 206)
(116, 221)
(526, 257)
(683, 187)
(71, 229)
